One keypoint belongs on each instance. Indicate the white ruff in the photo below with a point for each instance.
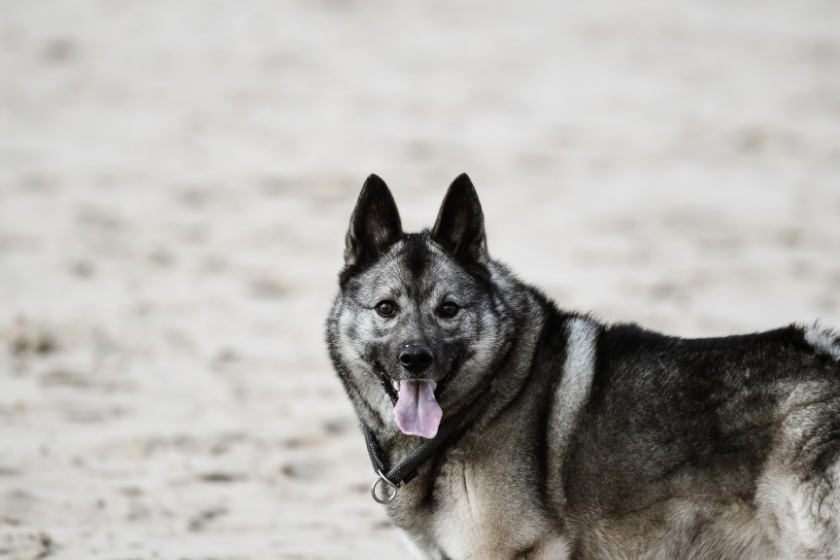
(573, 391)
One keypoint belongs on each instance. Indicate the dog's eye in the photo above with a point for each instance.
(448, 309)
(385, 308)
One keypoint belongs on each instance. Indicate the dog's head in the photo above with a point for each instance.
(419, 320)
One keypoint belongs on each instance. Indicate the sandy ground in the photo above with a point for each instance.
(175, 183)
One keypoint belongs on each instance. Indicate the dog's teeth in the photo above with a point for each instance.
(396, 385)
(435, 386)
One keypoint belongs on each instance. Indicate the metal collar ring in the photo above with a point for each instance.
(383, 478)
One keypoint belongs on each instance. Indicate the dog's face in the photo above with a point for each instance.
(417, 321)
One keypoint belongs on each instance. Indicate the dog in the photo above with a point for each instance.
(503, 427)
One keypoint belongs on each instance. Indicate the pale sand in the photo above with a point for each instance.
(175, 183)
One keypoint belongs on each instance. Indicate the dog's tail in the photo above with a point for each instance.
(824, 340)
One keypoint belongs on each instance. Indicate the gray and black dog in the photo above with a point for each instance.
(503, 427)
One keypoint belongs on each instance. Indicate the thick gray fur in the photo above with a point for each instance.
(588, 441)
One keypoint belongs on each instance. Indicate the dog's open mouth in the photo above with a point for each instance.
(415, 401)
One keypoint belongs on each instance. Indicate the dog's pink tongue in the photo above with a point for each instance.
(417, 411)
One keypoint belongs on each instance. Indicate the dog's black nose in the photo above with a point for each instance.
(416, 358)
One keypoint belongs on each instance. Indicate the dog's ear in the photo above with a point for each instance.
(460, 223)
(375, 224)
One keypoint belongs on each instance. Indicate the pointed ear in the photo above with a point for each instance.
(374, 225)
(460, 223)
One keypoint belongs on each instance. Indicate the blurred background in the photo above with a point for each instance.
(176, 178)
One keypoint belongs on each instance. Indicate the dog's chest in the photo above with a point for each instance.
(480, 511)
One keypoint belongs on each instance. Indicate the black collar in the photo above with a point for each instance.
(406, 469)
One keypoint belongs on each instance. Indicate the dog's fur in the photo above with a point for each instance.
(587, 440)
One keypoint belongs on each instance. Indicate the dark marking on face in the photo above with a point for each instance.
(416, 254)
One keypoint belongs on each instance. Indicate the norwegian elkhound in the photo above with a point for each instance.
(502, 427)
